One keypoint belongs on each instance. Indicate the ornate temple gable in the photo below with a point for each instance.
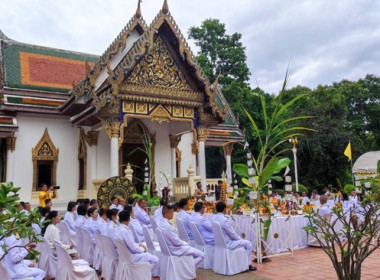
(146, 43)
(158, 69)
(86, 85)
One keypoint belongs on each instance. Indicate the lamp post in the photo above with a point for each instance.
(294, 141)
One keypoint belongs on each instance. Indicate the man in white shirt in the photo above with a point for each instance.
(137, 251)
(121, 204)
(204, 225)
(141, 215)
(353, 197)
(79, 221)
(305, 199)
(114, 203)
(232, 239)
(14, 261)
(135, 223)
(177, 246)
(158, 213)
(102, 221)
(184, 216)
(324, 211)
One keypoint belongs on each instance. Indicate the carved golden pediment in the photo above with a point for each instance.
(45, 149)
(159, 69)
(160, 115)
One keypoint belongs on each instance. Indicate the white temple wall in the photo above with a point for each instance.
(185, 147)
(103, 170)
(65, 138)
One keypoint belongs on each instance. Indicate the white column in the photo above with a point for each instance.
(92, 162)
(202, 162)
(114, 156)
(10, 166)
(194, 163)
(227, 153)
(229, 169)
(174, 163)
(11, 147)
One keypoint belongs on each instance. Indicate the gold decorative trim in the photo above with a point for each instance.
(188, 112)
(86, 85)
(11, 143)
(128, 107)
(44, 150)
(92, 138)
(141, 108)
(178, 159)
(152, 91)
(177, 111)
(160, 115)
(195, 148)
(228, 148)
(203, 133)
(111, 127)
(82, 155)
(160, 100)
(174, 140)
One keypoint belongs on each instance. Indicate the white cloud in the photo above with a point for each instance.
(324, 41)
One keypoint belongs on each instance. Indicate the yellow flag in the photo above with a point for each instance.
(347, 151)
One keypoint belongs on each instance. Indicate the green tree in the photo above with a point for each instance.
(14, 222)
(220, 52)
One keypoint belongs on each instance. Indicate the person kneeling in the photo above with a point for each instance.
(176, 246)
(137, 251)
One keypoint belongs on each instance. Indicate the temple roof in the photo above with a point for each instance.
(40, 68)
(41, 79)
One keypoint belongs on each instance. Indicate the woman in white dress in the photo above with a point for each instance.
(52, 233)
(69, 217)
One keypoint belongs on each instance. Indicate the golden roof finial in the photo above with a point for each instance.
(165, 7)
(138, 11)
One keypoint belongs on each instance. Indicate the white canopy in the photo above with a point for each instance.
(366, 165)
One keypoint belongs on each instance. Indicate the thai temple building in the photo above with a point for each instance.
(75, 119)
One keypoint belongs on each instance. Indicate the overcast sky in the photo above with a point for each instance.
(324, 41)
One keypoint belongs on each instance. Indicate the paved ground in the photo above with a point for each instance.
(306, 264)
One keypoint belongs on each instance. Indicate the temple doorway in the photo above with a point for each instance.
(132, 151)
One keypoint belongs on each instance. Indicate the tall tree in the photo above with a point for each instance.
(220, 52)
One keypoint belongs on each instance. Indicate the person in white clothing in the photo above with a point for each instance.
(52, 233)
(177, 246)
(81, 210)
(112, 222)
(102, 221)
(140, 213)
(137, 251)
(136, 224)
(204, 225)
(121, 204)
(158, 213)
(232, 239)
(14, 262)
(353, 198)
(69, 217)
(324, 211)
(305, 199)
(114, 203)
(184, 216)
(91, 222)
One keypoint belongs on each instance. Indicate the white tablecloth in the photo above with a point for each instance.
(284, 231)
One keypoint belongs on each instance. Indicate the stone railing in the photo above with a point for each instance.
(181, 185)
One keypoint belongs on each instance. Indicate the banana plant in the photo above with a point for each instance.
(277, 129)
